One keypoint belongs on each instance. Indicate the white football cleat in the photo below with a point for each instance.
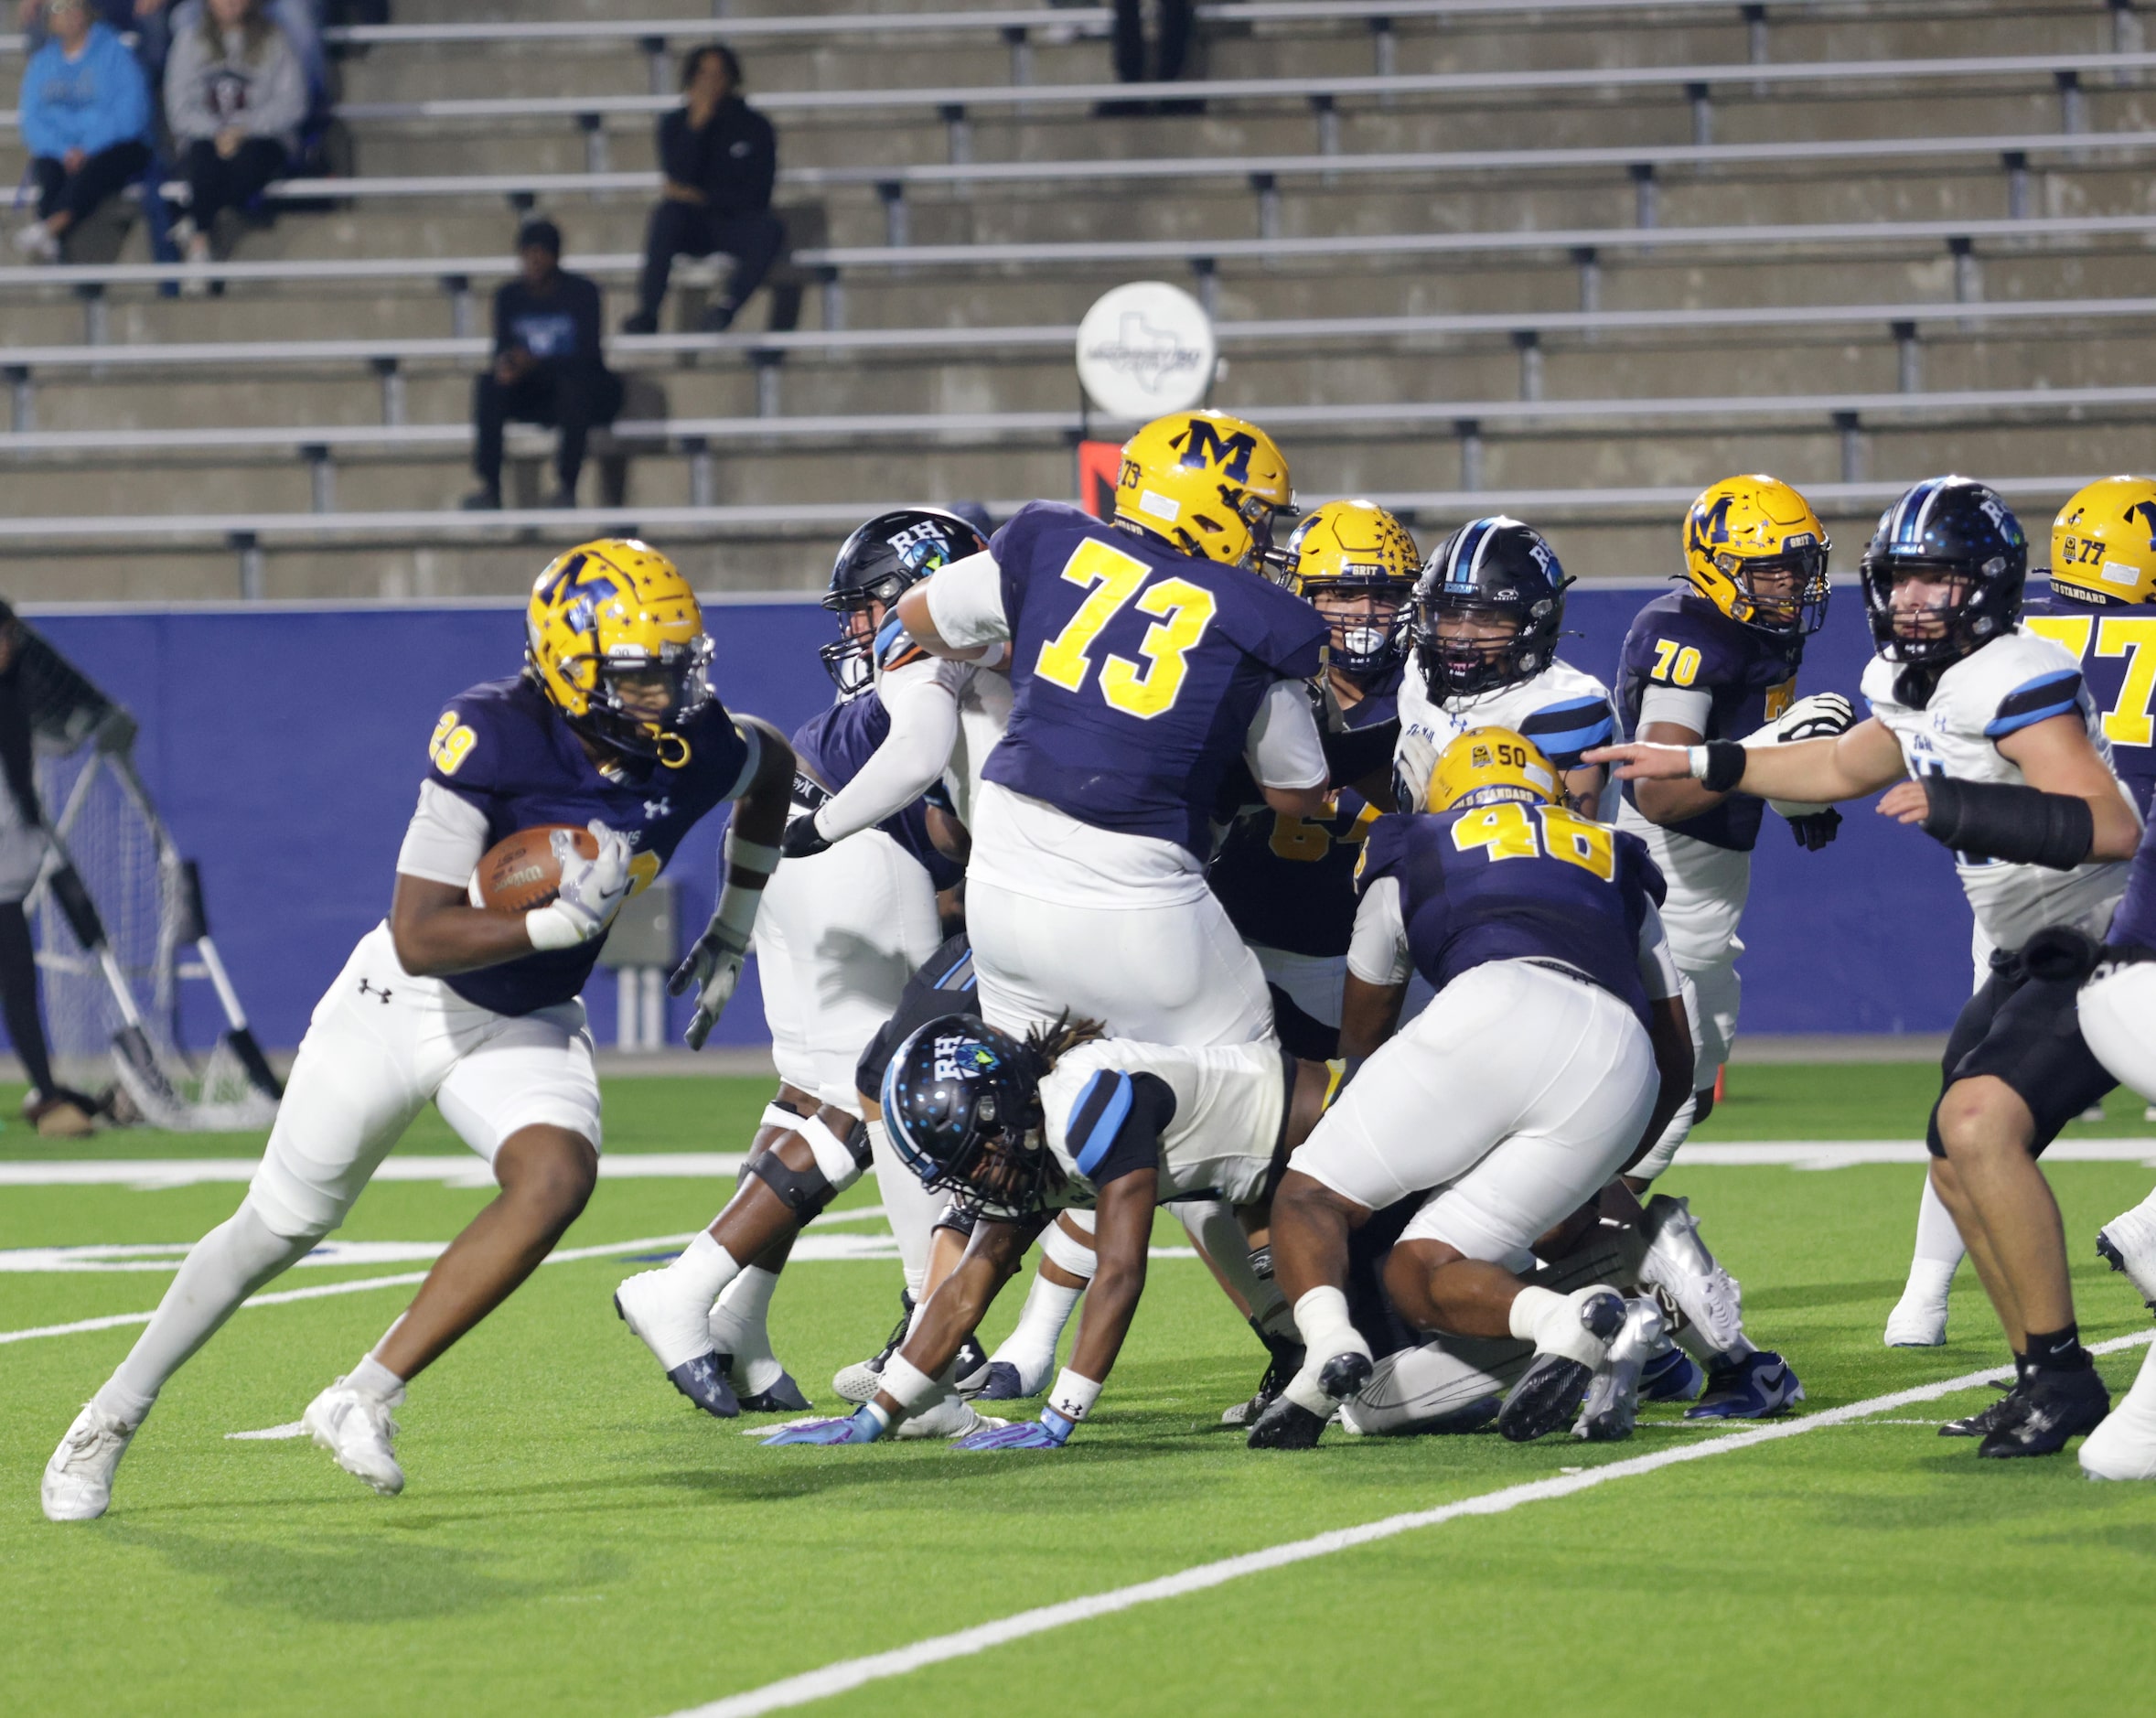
(951, 1415)
(355, 1428)
(78, 1485)
(2128, 1243)
(2124, 1446)
(1678, 1261)
(1611, 1409)
(675, 1326)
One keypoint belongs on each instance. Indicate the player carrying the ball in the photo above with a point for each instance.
(610, 728)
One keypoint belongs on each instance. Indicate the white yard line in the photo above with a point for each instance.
(462, 1171)
(852, 1673)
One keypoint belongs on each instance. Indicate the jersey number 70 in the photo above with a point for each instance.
(1184, 611)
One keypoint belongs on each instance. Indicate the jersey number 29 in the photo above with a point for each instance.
(1114, 578)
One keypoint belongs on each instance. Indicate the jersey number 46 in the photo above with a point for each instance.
(1513, 831)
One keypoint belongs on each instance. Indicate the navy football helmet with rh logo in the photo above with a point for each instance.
(1491, 572)
(1959, 533)
(873, 568)
(962, 1103)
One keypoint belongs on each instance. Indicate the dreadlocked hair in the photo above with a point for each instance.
(1047, 1046)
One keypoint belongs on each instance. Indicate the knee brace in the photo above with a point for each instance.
(1080, 1260)
(838, 1163)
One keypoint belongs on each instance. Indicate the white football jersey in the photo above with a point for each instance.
(1996, 690)
(1229, 1103)
(1563, 709)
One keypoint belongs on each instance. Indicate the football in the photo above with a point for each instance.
(520, 871)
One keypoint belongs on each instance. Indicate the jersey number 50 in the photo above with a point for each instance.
(1506, 832)
(1184, 611)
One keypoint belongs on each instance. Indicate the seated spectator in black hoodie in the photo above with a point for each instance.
(548, 368)
(719, 159)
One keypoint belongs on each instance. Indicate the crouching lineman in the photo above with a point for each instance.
(844, 925)
(611, 725)
(1553, 1053)
(2007, 766)
(2103, 609)
(1062, 1119)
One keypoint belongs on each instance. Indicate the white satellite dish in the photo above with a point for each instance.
(1144, 349)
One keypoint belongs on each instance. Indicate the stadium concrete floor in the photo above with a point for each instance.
(575, 1539)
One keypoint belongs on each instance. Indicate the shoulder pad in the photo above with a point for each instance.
(895, 646)
(1382, 850)
(1876, 686)
(1104, 1105)
(1569, 726)
(480, 736)
(2016, 678)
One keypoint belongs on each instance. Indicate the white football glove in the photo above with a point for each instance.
(1820, 717)
(714, 964)
(590, 893)
(1412, 761)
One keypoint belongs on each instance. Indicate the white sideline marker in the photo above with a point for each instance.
(849, 1674)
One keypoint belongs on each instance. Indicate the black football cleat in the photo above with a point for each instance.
(784, 1397)
(2044, 1410)
(1345, 1374)
(1547, 1396)
(1285, 1362)
(1002, 1382)
(704, 1381)
(1983, 1421)
(1285, 1425)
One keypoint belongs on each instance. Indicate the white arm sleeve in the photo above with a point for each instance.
(924, 726)
(1657, 966)
(1673, 703)
(966, 602)
(1282, 749)
(445, 840)
(1378, 955)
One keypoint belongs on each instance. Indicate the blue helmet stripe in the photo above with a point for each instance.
(1461, 568)
(2054, 695)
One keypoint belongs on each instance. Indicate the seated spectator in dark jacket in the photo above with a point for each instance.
(548, 368)
(234, 98)
(85, 117)
(719, 159)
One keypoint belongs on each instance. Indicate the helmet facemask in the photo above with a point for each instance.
(1783, 593)
(1940, 632)
(622, 714)
(1459, 666)
(847, 659)
(1370, 639)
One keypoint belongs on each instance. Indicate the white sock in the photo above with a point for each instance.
(909, 1207)
(1529, 1307)
(371, 1378)
(1032, 1347)
(224, 1269)
(741, 1327)
(706, 1267)
(1938, 1242)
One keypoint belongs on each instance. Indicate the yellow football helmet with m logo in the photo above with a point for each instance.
(2103, 544)
(1754, 549)
(1358, 556)
(1209, 484)
(1487, 766)
(614, 636)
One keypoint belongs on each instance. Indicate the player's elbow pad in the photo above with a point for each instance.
(1994, 819)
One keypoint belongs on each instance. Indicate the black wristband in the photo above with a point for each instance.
(1725, 766)
(802, 839)
(1994, 819)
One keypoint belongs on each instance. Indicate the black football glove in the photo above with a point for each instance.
(1815, 829)
(802, 839)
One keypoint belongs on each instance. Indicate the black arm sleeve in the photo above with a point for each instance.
(1138, 1140)
(1993, 820)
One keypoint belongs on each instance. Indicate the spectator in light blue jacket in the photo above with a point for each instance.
(85, 117)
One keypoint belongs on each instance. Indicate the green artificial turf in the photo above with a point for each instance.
(575, 1539)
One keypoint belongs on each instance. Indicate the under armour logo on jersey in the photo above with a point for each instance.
(367, 989)
(656, 808)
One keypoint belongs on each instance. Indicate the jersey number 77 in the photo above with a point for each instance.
(1116, 581)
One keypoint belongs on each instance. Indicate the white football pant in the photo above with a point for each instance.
(381, 1045)
(1172, 974)
(2119, 1021)
(1515, 1096)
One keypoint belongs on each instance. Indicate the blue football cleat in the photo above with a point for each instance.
(1753, 1387)
(704, 1381)
(1671, 1377)
(1003, 1384)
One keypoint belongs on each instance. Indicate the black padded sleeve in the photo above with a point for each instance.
(1994, 819)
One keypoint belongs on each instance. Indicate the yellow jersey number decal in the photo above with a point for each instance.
(1308, 842)
(451, 744)
(1675, 664)
(1184, 611)
(2130, 722)
(1506, 832)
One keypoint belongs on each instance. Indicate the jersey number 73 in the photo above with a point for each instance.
(1115, 581)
